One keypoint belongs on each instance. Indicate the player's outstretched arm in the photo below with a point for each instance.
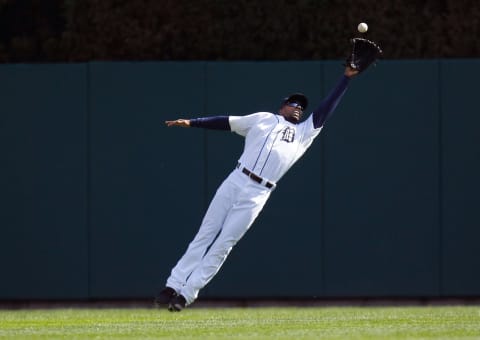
(213, 123)
(178, 122)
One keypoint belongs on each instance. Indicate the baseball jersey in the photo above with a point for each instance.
(272, 144)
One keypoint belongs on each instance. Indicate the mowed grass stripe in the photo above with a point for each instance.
(454, 322)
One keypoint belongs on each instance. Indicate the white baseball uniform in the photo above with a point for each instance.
(272, 146)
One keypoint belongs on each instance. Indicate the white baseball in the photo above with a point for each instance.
(362, 27)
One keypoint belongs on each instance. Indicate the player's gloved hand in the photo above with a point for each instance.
(364, 53)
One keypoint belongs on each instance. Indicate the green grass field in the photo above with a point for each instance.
(245, 323)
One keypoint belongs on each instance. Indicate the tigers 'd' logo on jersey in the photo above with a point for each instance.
(288, 135)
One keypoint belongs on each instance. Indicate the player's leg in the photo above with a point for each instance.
(209, 229)
(238, 221)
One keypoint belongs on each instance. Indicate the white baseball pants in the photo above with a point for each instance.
(235, 206)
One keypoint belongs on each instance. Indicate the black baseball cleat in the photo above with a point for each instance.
(177, 303)
(164, 297)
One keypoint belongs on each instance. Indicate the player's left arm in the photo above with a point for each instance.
(328, 105)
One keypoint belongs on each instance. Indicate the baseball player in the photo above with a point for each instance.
(273, 143)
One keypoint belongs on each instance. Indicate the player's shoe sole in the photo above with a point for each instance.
(177, 303)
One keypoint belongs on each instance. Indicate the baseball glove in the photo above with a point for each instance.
(364, 53)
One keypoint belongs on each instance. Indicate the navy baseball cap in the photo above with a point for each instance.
(299, 98)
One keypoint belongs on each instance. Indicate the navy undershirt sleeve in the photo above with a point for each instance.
(213, 123)
(328, 105)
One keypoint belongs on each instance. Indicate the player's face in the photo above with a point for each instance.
(292, 112)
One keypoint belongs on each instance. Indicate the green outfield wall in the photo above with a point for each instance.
(98, 199)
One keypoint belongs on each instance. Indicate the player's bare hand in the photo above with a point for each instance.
(178, 122)
(350, 72)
